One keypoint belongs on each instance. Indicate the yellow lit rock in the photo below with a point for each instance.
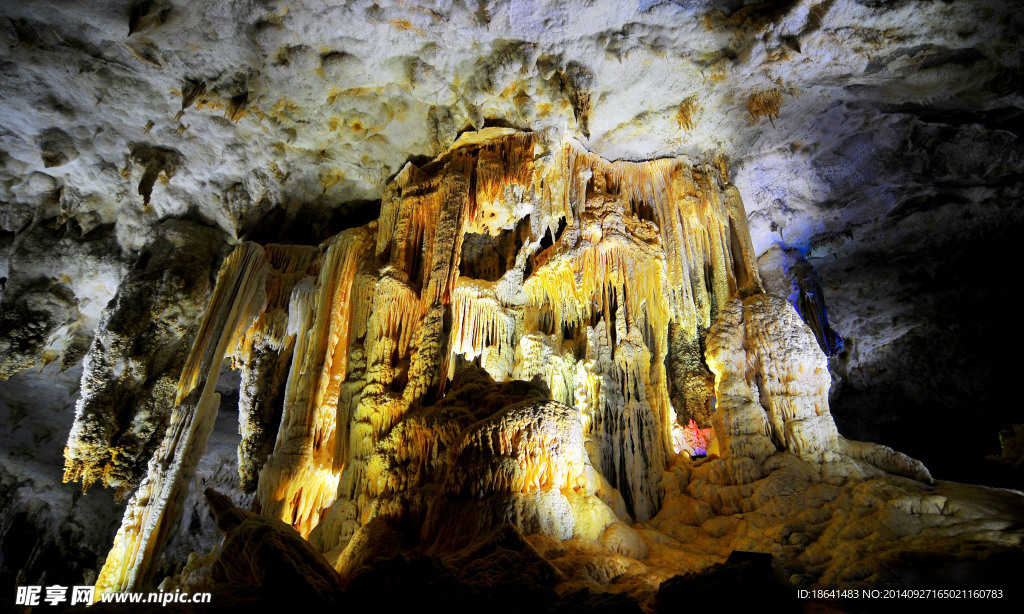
(155, 508)
(510, 349)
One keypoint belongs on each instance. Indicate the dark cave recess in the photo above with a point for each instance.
(943, 392)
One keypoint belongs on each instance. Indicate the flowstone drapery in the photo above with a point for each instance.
(518, 339)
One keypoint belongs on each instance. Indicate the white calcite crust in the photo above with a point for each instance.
(880, 139)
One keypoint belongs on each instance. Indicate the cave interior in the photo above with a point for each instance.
(514, 306)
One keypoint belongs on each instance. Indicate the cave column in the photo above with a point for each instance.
(155, 509)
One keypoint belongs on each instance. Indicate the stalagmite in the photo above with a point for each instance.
(514, 305)
(771, 381)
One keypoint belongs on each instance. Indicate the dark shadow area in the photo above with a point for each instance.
(745, 582)
(944, 391)
(489, 258)
(312, 223)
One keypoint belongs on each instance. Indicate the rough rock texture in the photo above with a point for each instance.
(266, 561)
(131, 370)
(156, 507)
(787, 274)
(837, 529)
(848, 136)
(379, 454)
(51, 532)
(881, 140)
(57, 278)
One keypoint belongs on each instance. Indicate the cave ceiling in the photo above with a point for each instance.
(141, 111)
(872, 149)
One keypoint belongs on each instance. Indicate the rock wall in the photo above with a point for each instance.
(613, 253)
(880, 140)
(877, 151)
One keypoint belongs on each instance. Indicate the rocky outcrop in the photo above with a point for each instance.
(378, 453)
(132, 368)
(772, 381)
(28, 323)
(155, 509)
(786, 273)
(268, 554)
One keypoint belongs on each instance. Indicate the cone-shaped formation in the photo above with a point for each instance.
(772, 383)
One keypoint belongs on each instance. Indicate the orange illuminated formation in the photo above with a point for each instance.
(517, 339)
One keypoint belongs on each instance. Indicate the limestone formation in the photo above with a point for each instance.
(787, 273)
(591, 279)
(30, 321)
(772, 382)
(496, 350)
(266, 553)
(132, 368)
(155, 508)
(491, 310)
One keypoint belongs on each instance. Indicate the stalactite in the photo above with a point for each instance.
(517, 340)
(604, 259)
(481, 327)
(626, 244)
(155, 508)
(546, 442)
(390, 206)
(425, 218)
(707, 251)
(132, 368)
(609, 266)
(545, 356)
(502, 164)
(299, 480)
(263, 355)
